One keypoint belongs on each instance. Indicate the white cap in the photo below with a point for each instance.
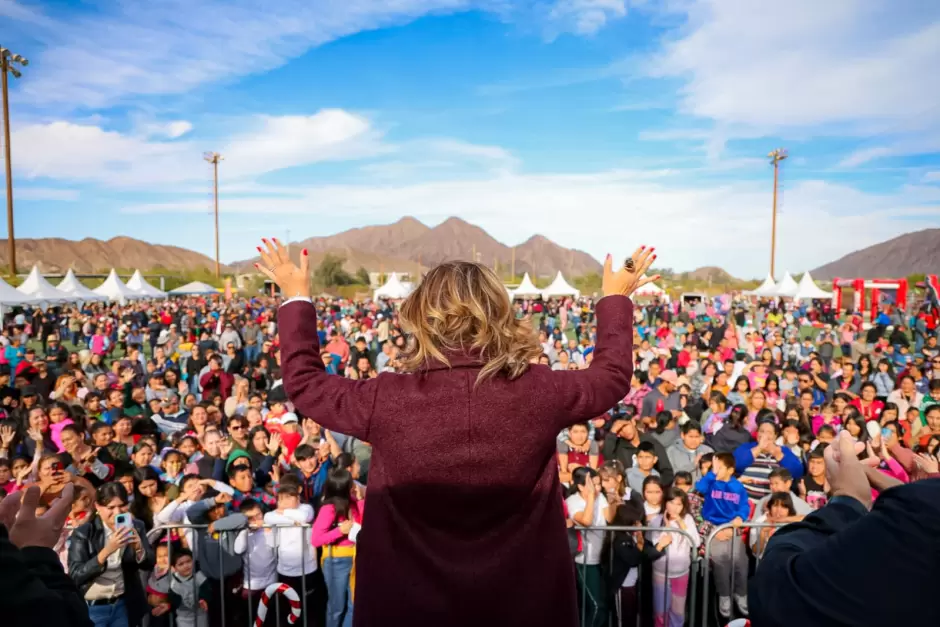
(289, 417)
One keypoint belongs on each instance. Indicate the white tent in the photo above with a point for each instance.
(71, 285)
(767, 288)
(808, 290)
(10, 296)
(114, 289)
(526, 289)
(651, 290)
(139, 285)
(560, 287)
(393, 289)
(196, 288)
(42, 290)
(787, 287)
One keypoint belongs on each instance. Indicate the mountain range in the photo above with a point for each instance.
(412, 242)
(54, 254)
(911, 253)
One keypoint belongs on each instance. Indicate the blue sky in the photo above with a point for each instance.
(602, 124)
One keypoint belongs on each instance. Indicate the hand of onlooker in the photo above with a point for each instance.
(35, 435)
(846, 473)
(927, 463)
(223, 497)
(345, 527)
(18, 515)
(274, 444)
(664, 541)
(6, 437)
(225, 447)
(737, 522)
(118, 540)
(161, 609)
(203, 605)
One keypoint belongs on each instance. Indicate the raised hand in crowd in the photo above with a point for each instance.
(18, 515)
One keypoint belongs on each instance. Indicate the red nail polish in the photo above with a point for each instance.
(304, 252)
(257, 265)
(259, 248)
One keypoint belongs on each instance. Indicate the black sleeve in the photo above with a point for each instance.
(854, 556)
(36, 590)
(83, 559)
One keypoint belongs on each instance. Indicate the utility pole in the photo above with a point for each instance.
(8, 61)
(776, 157)
(214, 158)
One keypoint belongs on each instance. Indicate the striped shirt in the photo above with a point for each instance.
(756, 477)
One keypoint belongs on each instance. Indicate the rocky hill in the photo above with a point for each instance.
(89, 255)
(911, 253)
(408, 239)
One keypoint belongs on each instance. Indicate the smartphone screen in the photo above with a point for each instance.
(57, 467)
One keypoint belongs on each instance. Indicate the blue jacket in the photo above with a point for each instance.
(724, 500)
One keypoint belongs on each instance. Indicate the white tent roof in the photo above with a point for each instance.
(807, 289)
(71, 285)
(196, 288)
(560, 287)
(138, 284)
(767, 288)
(650, 289)
(526, 289)
(39, 288)
(114, 289)
(10, 296)
(393, 288)
(787, 287)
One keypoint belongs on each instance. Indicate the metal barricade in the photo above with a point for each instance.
(614, 613)
(227, 540)
(735, 534)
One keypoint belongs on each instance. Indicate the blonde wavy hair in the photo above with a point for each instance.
(463, 307)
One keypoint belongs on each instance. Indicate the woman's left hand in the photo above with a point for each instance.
(275, 264)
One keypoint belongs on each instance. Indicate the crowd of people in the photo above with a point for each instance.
(195, 485)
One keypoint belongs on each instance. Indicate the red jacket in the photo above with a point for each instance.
(465, 509)
(217, 380)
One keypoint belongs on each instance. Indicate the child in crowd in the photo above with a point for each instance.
(297, 557)
(814, 486)
(671, 569)
(652, 497)
(188, 592)
(158, 587)
(645, 461)
(827, 416)
(256, 546)
(726, 502)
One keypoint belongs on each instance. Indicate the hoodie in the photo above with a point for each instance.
(724, 500)
(681, 458)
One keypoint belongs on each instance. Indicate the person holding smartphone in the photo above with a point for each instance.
(106, 556)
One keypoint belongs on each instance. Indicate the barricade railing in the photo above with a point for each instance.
(227, 539)
(732, 566)
(588, 539)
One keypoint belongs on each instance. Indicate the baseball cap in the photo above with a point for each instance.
(289, 417)
(669, 376)
(170, 397)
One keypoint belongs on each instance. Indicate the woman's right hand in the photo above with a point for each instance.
(624, 282)
(345, 527)
(118, 540)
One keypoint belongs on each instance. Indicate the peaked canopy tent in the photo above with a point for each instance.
(10, 296)
(196, 288)
(808, 290)
(787, 288)
(71, 285)
(560, 287)
(393, 289)
(767, 288)
(42, 290)
(651, 290)
(138, 284)
(526, 289)
(114, 289)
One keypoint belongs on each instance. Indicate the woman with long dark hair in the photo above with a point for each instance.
(149, 495)
(733, 433)
(106, 558)
(471, 392)
(335, 530)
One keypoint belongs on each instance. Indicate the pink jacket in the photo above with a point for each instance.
(895, 470)
(55, 429)
(325, 533)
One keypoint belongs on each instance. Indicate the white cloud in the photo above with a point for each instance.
(610, 211)
(845, 67)
(932, 177)
(114, 51)
(586, 17)
(86, 152)
(45, 193)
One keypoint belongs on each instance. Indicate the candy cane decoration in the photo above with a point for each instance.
(292, 597)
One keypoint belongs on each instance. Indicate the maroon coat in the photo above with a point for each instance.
(463, 523)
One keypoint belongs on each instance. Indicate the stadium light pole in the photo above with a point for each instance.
(776, 157)
(214, 158)
(8, 63)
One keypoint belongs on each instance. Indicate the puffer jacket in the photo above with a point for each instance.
(84, 545)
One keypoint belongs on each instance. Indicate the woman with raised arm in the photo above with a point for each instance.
(464, 524)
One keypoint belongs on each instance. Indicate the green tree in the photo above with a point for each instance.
(330, 272)
(362, 276)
